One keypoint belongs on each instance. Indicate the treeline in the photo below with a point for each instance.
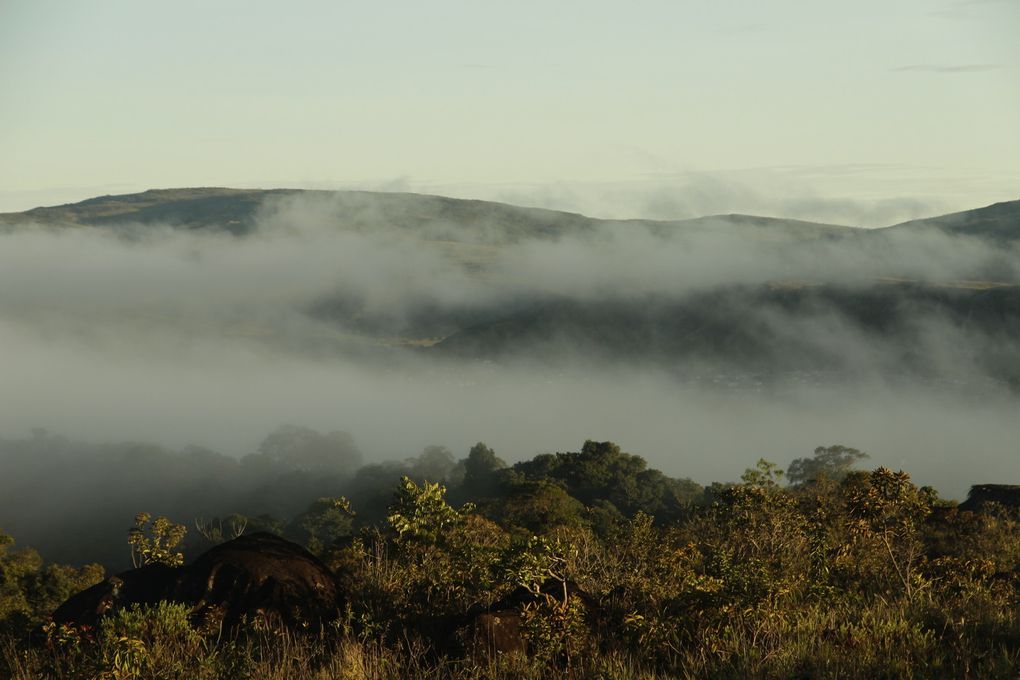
(73, 501)
(821, 571)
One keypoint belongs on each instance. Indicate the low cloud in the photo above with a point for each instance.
(950, 68)
(317, 318)
(795, 193)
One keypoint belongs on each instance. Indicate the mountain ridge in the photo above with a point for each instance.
(770, 295)
(234, 210)
(111, 208)
(998, 221)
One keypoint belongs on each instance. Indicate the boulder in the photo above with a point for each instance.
(1006, 495)
(258, 576)
(498, 629)
(490, 634)
(145, 586)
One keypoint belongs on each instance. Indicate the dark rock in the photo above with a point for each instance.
(145, 586)
(498, 629)
(492, 633)
(258, 576)
(1006, 495)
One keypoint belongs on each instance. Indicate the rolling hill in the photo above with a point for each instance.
(999, 222)
(901, 314)
(430, 217)
(238, 210)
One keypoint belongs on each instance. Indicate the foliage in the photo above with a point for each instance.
(215, 532)
(30, 589)
(421, 512)
(301, 448)
(537, 505)
(153, 642)
(765, 474)
(480, 468)
(601, 471)
(862, 575)
(323, 524)
(887, 509)
(153, 541)
(829, 462)
(531, 563)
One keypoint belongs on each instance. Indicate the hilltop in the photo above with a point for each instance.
(999, 222)
(237, 211)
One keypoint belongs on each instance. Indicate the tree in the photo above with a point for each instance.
(301, 448)
(887, 510)
(600, 471)
(829, 462)
(154, 543)
(324, 523)
(214, 532)
(30, 589)
(434, 464)
(539, 506)
(765, 474)
(421, 512)
(480, 469)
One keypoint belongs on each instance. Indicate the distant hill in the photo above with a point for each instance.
(999, 222)
(426, 216)
(818, 331)
(216, 208)
(886, 319)
(430, 217)
(765, 228)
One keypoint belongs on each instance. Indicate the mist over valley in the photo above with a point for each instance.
(209, 317)
(492, 341)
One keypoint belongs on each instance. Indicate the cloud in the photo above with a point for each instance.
(850, 194)
(968, 9)
(950, 68)
(191, 337)
(12, 200)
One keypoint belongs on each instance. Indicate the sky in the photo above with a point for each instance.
(866, 112)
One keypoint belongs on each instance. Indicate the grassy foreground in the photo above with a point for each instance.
(865, 577)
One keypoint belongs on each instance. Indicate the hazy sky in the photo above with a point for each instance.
(641, 107)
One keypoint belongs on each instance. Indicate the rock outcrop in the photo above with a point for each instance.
(258, 576)
(1006, 495)
(499, 629)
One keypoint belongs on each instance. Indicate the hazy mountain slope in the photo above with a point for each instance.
(424, 216)
(997, 222)
(897, 329)
(765, 228)
(228, 209)
(236, 210)
(745, 293)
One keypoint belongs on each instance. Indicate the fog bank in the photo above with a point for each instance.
(154, 333)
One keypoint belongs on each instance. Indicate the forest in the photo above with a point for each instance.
(705, 346)
(574, 564)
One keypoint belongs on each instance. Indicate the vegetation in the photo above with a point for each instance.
(613, 570)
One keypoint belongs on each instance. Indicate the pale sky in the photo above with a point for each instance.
(872, 109)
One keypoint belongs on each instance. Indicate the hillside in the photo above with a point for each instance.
(426, 216)
(999, 222)
(218, 208)
(758, 333)
(745, 295)
(437, 218)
